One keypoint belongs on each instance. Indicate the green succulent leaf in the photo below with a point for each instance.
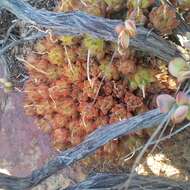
(66, 40)
(143, 77)
(177, 66)
(165, 102)
(95, 45)
(141, 4)
(180, 114)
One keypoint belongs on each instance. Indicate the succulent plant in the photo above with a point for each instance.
(43, 46)
(127, 66)
(107, 88)
(53, 72)
(180, 114)
(88, 111)
(101, 121)
(56, 55)
(164, 19)
(42, 90)
(119, 89)
(138, 16)
(67, 40)
(36, 65)
(42, 65)
(91, 90)
(59, 121)
(179, 68)
(95, 46)
(123, 37)
(180, 105)
(43, 108)
(94, 7)
(66, 107)
(143, 4)
(105, 104)
(74, 73)
(114, 4)
(41, 70)
(165, 102)
(43, 125)
(35, 93)
(125, 31)
(141, 79)
(29, 108)
(60, 88)
(133, 102)
(109, 70)
(88, 125)
(119, 112)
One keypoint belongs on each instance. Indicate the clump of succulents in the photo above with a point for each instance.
(75, 88)
(65, 103)
(179, 106)
(164, 19)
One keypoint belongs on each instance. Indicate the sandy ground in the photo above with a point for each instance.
(24, 147)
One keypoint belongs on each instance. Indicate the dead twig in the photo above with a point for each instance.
(79, 23)
(108, 181)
